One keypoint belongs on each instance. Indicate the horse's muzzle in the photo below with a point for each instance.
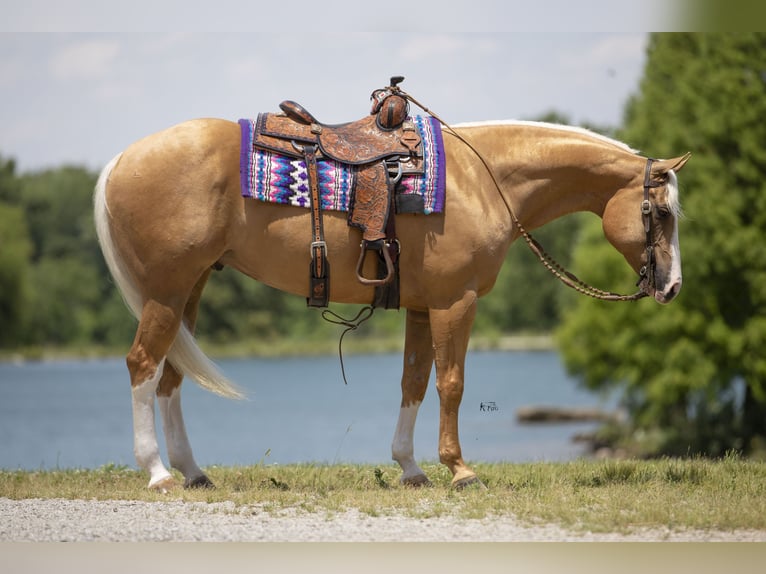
(669, 293)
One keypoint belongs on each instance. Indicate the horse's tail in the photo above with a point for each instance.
(184, 353)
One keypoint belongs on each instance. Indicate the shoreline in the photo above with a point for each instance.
(281, 349)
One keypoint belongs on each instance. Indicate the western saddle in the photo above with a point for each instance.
(380, 147)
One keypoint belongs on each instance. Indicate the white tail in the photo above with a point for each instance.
(184, 354)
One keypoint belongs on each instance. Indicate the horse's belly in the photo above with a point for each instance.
(272, 246)
(274, 249)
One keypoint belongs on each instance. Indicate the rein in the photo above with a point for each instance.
(350, 325)
(571, 280)
(566, 277)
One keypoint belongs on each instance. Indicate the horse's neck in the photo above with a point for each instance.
(547, 172)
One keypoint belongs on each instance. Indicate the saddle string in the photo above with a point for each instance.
(557, 270)
(350, 325)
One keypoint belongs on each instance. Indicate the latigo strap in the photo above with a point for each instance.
(319, 291)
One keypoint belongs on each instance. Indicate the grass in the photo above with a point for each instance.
(605, 496)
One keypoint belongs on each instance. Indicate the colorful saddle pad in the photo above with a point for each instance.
(276, 178)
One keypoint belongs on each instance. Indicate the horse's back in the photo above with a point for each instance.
(183, 144)
(200, 154)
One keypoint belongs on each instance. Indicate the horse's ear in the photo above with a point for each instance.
(663, 166)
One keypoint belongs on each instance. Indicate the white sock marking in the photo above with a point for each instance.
(145, 445)
(402, 447)
(179, 448)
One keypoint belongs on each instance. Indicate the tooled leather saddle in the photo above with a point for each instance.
(381, 147)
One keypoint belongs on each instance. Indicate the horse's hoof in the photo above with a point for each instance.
(468, 482)
(200, 481)
(163, 486)
(417, 481)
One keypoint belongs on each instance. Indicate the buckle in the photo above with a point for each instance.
(318, 245)
(646, 207)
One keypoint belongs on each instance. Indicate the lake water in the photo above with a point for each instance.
(77, 414)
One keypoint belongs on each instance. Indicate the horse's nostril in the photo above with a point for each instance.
(667, 295)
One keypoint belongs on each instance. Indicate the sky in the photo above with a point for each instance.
(78, 90)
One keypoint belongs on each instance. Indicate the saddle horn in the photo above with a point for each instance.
(297, 112)
(396, 80)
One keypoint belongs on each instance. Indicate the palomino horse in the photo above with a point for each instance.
(169, 208)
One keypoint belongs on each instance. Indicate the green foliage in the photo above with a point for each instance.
(14, 255)
(58, 207)
(54, 286)
(694, 373)
(13, 271)
(9, 182)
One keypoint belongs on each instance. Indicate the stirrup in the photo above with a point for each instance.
(379, 245)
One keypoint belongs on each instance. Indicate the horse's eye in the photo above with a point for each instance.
(662, 211)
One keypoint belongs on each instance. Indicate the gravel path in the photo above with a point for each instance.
(36, 520)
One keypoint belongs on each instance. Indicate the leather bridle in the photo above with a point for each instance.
(647, 270)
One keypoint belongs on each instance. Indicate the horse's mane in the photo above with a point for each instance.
(673, 201)
(547, 125)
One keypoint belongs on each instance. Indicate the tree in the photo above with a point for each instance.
(13, 273)
(9, 182)
(14, 255)
(693, 373)
(68, 284)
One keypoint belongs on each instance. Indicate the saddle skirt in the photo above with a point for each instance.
(280, 175)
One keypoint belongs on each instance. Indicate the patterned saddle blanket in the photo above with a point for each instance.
(268, 176)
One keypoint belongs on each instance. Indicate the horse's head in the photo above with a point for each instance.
(641, 221)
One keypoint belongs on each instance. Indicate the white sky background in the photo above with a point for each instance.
(68, 96)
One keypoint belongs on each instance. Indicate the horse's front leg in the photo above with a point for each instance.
(451, 329)
(418, 359)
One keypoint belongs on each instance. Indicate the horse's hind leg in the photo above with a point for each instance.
(169, 398)
(418, 359)
(156, 330)
(176, 439)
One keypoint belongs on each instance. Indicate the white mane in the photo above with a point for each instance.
(547, 125)
(674, 203)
